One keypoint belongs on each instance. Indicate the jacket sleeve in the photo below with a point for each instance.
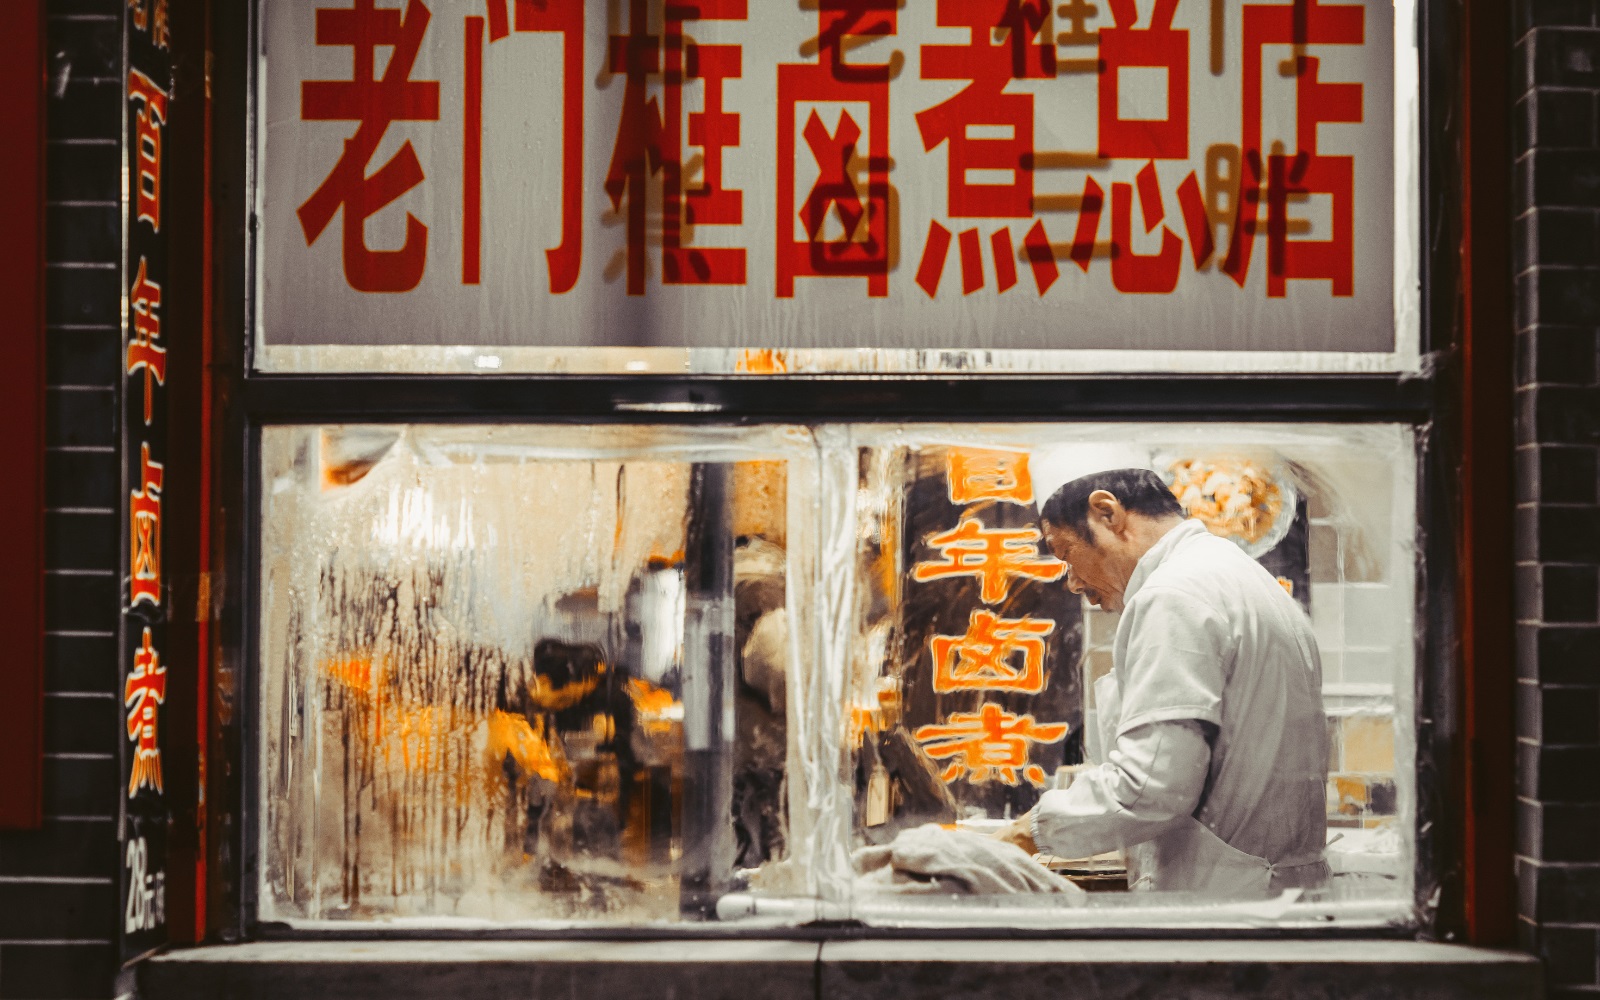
(1177, 660)
(1153, 777)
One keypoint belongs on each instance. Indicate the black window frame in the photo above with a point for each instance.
(1427, 400)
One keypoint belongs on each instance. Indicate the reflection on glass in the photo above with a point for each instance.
(973, 687)
(573, 675)
(504, 680)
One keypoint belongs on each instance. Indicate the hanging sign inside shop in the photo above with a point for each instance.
(143, 830)
(930, 174)
(989, 634)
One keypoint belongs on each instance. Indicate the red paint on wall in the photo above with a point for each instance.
(22, 414)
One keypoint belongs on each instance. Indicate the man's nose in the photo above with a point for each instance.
(1074, 584)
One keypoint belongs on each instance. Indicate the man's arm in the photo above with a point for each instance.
(1155, 775)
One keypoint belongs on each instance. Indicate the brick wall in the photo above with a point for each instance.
(1557, 145)
(58, 886)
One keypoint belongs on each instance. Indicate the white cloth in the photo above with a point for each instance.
(958, 861)
(1209, 636)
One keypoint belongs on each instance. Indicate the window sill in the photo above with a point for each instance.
(876, 969)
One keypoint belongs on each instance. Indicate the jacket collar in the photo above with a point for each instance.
(1158, 553)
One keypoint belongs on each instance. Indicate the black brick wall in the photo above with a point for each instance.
(58, 886)
(1557, 257)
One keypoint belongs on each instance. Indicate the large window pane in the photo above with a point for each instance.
(972, 684)
(522, 675)
(628, 675)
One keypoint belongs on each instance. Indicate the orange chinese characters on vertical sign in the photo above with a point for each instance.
(650, 140)
(989, 131)
(993, 555)
(145, 689)
(861, 248)
(160, 26)
(148, 123)
(373, 102)
(989, 743)
(986, 658)
(144, 536)
(144, 350)
(976, 474)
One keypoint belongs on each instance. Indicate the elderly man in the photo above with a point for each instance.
(1211, 716)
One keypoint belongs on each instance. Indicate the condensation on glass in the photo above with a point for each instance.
(522, 674)
(560, 676)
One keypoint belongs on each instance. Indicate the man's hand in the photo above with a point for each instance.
(1020, 833)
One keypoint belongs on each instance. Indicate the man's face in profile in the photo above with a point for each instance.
(1088, 572)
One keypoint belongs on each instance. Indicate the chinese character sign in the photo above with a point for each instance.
(989, 632)
(145, 689)
(967, 174)
(148, 293)
(988, 743)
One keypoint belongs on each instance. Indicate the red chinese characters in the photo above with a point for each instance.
(1156, 47)
(994, 555)
(995, 654)
(976, 474)
(1005, 120)
(987, 131)
(1307, 171)
(650, 140)
(1159, 46)
(374, 103)
(142, 694)
(988, 743)
(1136, 272)
(862, 250)
(1133, 272)
(144, 352)
(144, 535)
(149, 120)
(563, 17)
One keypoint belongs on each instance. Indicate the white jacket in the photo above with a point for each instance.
(1213, 709)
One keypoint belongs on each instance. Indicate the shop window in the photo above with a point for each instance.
(561, 676)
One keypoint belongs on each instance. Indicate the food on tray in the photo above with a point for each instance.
(1234, 498)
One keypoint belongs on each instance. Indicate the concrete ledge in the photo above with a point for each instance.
(486, 970)
(877, 969)
(1194, 970)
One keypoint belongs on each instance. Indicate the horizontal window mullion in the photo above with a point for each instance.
(720, 399)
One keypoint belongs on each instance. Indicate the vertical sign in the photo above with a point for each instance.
(993, 632)
(143, 830)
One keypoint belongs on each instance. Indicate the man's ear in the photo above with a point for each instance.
(1108, 510)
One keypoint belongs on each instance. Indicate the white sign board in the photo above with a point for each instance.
(1013, 175)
